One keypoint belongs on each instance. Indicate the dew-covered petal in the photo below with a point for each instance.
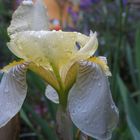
(54, 48)
(90, 102)
(12, 64)
(13, 89)
(91, 46)
(29, 16)
(102, 62)
(51, 94)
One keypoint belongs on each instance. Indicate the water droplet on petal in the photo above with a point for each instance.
(73, 112)
(96, 107)
(6, 90)
(87, 121)
(14, 75)
(23, 66)
(99, 84)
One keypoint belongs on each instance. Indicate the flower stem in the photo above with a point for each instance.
(64, 124)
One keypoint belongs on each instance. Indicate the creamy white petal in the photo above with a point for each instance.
(29, 16)
(90, 102)
(103, 59)
(13, 89)
(49, 47)
(51, 94)
(91, 46)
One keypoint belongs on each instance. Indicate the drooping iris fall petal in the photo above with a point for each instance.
(90, 102)
(13, 89)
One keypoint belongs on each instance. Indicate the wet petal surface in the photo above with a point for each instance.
(51, 94)
(91, 105)
(13, 89)
(29, 16)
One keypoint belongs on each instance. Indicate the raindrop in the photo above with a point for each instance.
(83, 111)
(14, 75)
(73, 112)
(79, 107)
(23, 66)
(87, 121)
(113, 107)
(99, 84)
(6, 90)
(96, 107)
(96, 77)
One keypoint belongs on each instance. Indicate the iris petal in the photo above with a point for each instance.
(51, 94)
(29, 16)
(13, 89)
(50, 48)
(90, 102)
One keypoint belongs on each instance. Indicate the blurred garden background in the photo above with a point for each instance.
(117, 23)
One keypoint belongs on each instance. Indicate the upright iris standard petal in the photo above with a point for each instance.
(13, 89)
(29, 16)
(91, 46)
(54, 48)
(90, 102)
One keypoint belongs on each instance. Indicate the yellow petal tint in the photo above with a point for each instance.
(53, 54)
(102, 62)
(54, 51)
(46, 75)
(12, 64)
(46, 47)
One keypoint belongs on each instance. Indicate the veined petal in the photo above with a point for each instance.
(51, 94)
(9, 66)
(57, 48)
(90, 102)
(102, 61)
(29, 16)
(13, 89)
(90, 47)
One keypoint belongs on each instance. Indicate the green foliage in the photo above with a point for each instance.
(119, 40)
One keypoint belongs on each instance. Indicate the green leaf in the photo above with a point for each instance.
(131, 66)
(131, 110)
(25, 119)
(137, 50)
(47, 131)
(28, 122)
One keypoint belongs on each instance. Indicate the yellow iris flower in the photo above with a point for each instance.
(76, 80)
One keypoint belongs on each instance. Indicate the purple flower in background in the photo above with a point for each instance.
(124, 2)
(85, 4)
(18, 2)
(74, 15)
